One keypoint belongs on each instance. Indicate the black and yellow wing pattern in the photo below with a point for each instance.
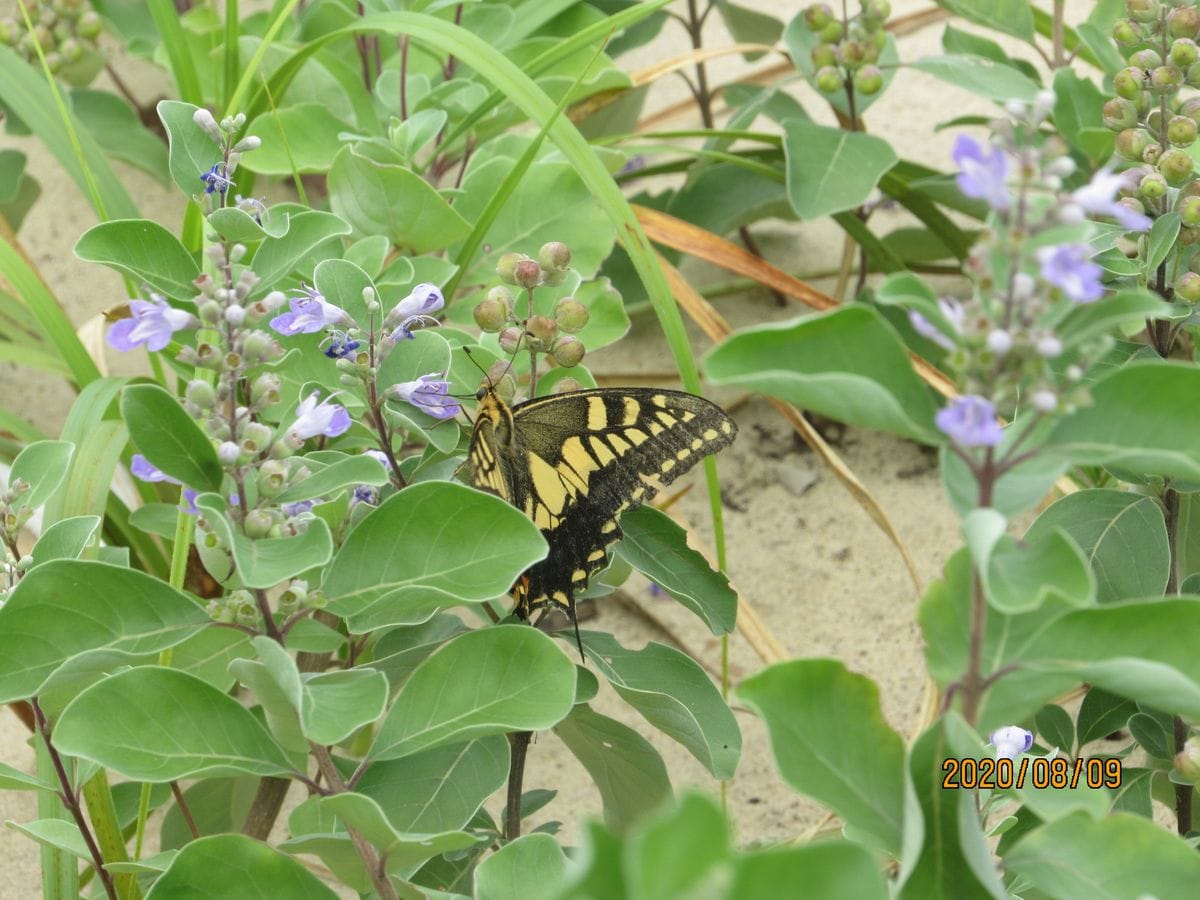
(574, 462)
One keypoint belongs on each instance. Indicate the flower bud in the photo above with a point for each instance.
(1187, 287)
(1044, 401)
(235, 315)
(1166, 79)
(1143, 10)
(829, 79)
(832, 32)
(1132, 143)
(264, 390)
(1049, 347)
(850, 54)
(823, 55)
(1128, 83)
(1126, 33)
(1183, 22)
(1120, 114)
(1187, 236)
(1176, 166)
(506, 266)
(1153, 186)
(542, 331)
(228, 453)
(1189, 210)
(1146, 58)
(999, 342)
(1152, 153)
(571, 315)
(527, 273)
(554, 256)
(255, 438)
(1187, 760)
(566, 385)
(258, 523)
(201, 393)
(1183, 53)
(260, 347)
(89, 25)
(248, 143)
(510, 339)
(272, 477)
(490, 315)
(868, 80)
(568, 351)
(818, 16)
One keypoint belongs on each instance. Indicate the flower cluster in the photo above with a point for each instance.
(849, 48)
(1033, 263)
(64, 30)
(553, 334)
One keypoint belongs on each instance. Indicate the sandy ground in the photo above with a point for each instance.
(809, 560)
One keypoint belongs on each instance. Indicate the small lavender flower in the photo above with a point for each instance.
(298, 508)
(324, 418)
(982, 176)
(1069, 268)
(380, 456)
(152, 323)
(429, 393)
(365, 493)
(309, 313)
(144, 470)
(216, 181)
(1010, 741)
(954, 313)
(970, 421)
(414, 309)
(341, 346)
(1099, 197)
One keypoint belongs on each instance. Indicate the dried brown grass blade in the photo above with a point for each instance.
(699, 55)
(717, 329)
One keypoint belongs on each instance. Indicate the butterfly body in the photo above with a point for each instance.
(574, 462)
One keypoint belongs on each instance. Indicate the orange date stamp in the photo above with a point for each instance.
(969, 774)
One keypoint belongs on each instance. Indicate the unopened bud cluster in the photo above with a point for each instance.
(554, 334)
(849, 49)
(1156, 112)
(62, 29)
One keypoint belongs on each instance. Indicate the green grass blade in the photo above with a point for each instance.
(179, 54)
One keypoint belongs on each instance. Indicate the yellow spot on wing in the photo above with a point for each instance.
(579, 575)
(636, 436)
(659, 400)
(710, 435)
(577, 464)
(596, 555)
(726, 427)
(667, 419)
(597, 419)
(668, 465)
(698, 443)
(655, 428)
(603, 454)
(633, 409)
(683, 454)
(547, 484)
(688, 415)
(608, 527)
(619, 444)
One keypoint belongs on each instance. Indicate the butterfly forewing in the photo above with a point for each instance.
(573, 462)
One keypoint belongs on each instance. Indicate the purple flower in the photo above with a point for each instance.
(297, 508)
(216, 180)
(1069, 268)
(379, 456)
(365, 493)
(954, 314)
(152, 323)
(1010, 741)
(313, 418)
(970, 421)
(429, 393)
(414, 309)
(145, 470)
(1099, 197)
(189, 501)
(340, 346)
(982, 176)
(309, 313)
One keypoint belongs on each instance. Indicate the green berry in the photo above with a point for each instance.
(832, 32)
(823, 55)
(542, 331)
(1132, 143)
(1126, 33)
(554, 255)
(1166, 79)
(1176, 166)
(1183, 53)
(1145, 59)
(868, 80)
(1153, 187)
(1152, 153)
(89, 25)
(850, 54)
(1120, 114)
(1193, 75)
(1187, 287)
(510, 339)
(1184, 22)
(490, 315)
(1189, 211)
(1181, 131)
(506, 267)
(1143, 10)
(527, 273)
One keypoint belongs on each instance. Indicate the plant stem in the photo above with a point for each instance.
(973, 683)
(519, 742)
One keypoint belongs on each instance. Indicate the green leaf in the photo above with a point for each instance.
(944, 843)
(1020, 577)
(1056, 728)
(74, 607)
(117, 128)
(402, 649)
(387, 199)
(979, 75)
(190, 152)
(1006, 16)
(1151, 735)
(1077, 115)
(629, 773)
(1118, 857)
(42, 465)
(169, 438)
(156, 724)
(490, 681)
(327, 480)
(674, 694)
(657, 546)
(144, 251)
(533, 867)
(829, 869)
(1086, 321)
(1135, 422)
(675, 854)
(426, 353)
(65, 539)
(1123, 535)
(847, 364)
(831, 743)
(432, 544)
(265, 562)
(956, 41)
(15, 780)
(233, 865)
(57, 833)
(336, 704)
(1018, 490)
(830, 170)
(439, 789)
(1101, 714)
(278, 257)
(300, 138)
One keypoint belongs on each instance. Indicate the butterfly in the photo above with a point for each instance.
(573, 462)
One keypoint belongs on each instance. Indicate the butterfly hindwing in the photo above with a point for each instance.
(573, 462)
